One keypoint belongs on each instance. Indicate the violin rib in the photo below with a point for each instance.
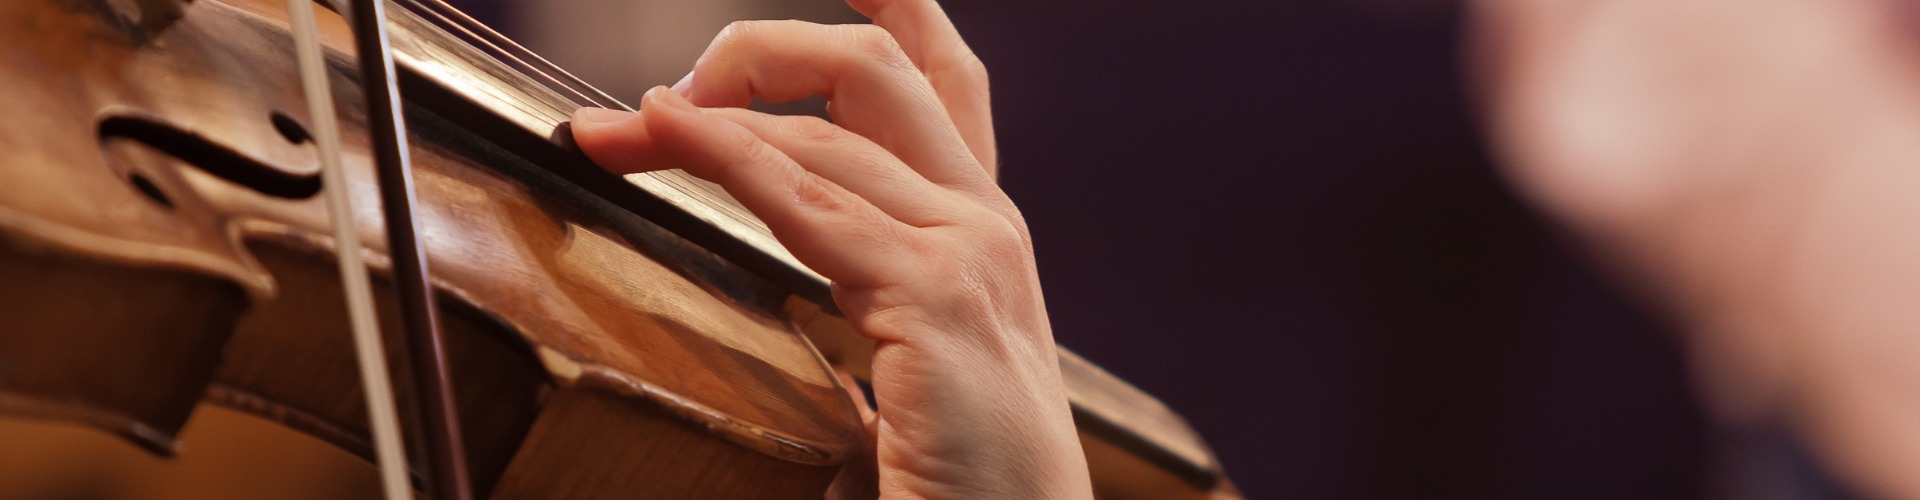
(463, 77)
(595, 327)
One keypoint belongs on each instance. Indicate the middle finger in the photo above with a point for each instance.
(855, 163)
(873, 88)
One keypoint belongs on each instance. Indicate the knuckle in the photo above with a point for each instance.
(756, 157)
(878, 45)
(811, 194)
(738, 30)
(734, 34)
(1020, 228)
(1014, 222)
(998, 203)
(868, 6)
(873, 38)
(891, 315)
(754, 150)
(815, 129)
(967, 162)
(927, 255)
(972, 69)
(881, 229)
(1000, 228)
(879, 165)
(730, 35)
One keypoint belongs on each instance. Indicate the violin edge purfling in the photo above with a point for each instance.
(530, 119)
(732, 270)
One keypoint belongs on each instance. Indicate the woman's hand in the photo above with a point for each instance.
(895, 202)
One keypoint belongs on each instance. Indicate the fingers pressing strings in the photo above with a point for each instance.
(874, 89)
(825, 149)
(854, 163)
(818, 220)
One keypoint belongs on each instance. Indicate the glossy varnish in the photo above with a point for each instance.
(161, 244)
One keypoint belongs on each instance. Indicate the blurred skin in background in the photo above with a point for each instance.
(1755, 166)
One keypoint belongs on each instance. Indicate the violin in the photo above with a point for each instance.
(165, 241)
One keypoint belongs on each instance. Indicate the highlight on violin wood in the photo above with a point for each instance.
(163, 252)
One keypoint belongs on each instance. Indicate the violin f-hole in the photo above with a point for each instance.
(149, 189)
(212, 157)
(290, 129)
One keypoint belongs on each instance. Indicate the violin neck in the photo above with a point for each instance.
(468, 73)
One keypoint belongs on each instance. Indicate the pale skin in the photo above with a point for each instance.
(895, 201)
(1755, 166)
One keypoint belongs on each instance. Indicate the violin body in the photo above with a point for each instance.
(162, 243)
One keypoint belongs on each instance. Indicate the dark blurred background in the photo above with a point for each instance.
(1279, 218)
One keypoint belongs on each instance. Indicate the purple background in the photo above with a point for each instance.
(1279, 218)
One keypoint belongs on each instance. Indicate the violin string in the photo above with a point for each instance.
(533, 66)
(527, 61)
(382, 411)
(564, 77)
(519, 65)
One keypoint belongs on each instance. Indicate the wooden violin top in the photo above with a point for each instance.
(590, 293)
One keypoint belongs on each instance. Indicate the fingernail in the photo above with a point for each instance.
(599, 115)
(684, 86)
(662, 96)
